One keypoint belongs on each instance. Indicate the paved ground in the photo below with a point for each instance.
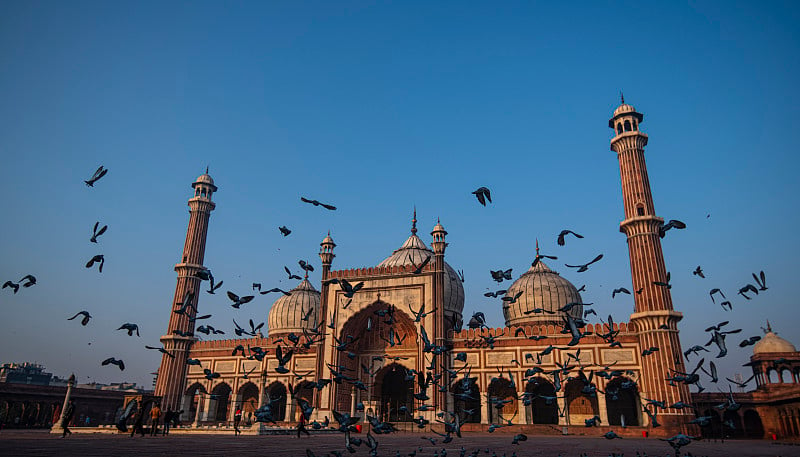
(37, 443)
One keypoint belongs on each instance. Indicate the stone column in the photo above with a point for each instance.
(603, 408)
(485, 408)
(199, 407)
(57, 426)
(562, 405)
(522, 417)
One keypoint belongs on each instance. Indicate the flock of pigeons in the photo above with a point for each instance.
(426, 381)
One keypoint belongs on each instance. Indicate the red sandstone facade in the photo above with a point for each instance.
(497, 372)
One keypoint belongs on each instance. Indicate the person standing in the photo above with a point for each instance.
(237, 417)
(138, 422)
(68, 414)
(167, 421)
(155, 415)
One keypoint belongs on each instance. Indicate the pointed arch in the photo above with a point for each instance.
(277, 393)
(622, 404)
(247, 398)
(503, 404)
(467, 400)
(541, 400)
(220, 402)
(580, 406)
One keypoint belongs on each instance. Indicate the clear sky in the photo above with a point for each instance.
(376, 107)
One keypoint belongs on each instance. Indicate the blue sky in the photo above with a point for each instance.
(377, 107)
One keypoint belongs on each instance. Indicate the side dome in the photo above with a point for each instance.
(771, 343)
(414, 249)
(286, 314)
(543, 290)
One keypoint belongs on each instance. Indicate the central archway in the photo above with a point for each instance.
(377, 339)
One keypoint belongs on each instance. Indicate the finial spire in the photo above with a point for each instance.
(769, 327)
(206, 169)
(414, 222)
(537, 247)
(622, 97)
(306, 275)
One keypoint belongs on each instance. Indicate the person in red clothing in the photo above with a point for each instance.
(237, 417)
(301, 425)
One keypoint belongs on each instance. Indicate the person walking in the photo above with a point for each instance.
(167, 421)
(301, 425)
(155, 415)
(68, 414)
(138, 422)
(237, 417)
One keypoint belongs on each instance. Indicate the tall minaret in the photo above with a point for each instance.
(654, 318)
(172, 373)
(326, 255)
(439, 245)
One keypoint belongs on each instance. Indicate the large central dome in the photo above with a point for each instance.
(414, 249)
(542, 289)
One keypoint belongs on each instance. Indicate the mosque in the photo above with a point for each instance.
(516, 365)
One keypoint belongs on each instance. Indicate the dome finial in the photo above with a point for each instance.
(622, 97)
(306, 275)
(414, 222)
(537, 247)
(206, 169)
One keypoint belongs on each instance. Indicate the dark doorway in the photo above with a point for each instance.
(622, 405)
(467, 401)
(277, 398)
(396, 391)
(753, 425)
(221, 394)
(543, 408)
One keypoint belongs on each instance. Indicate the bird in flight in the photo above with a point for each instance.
(291, 275)
(99, 173)
(96, 232)
(12, 285)
(762, 284)
(161, 350)
(418, 268)
(483, 194)
(501, 274)
(748, 288)
(28, 280)
(96, 259)
(584, 267)
(306, 266)
(565, 233)
(239, 301)
(621, 290)
(672, 224)
(113, 361)
(130, 328)
(698, 272)
(284, 231)
(495, 294)
(715, 291)
(318, 203)
(664, 283)
(275, 289)
(84, 320)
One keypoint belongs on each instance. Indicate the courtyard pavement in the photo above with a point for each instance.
(41, 443)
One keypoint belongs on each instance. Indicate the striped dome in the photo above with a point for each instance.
(285, 315)
(541, 288)
(414, 249)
